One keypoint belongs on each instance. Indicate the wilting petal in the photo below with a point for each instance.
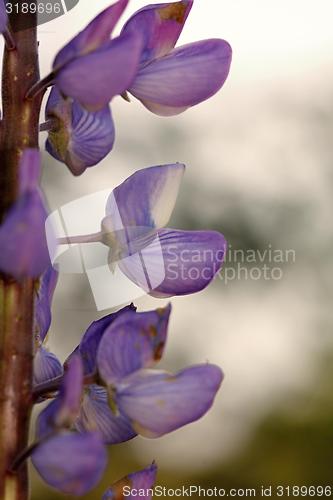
(96, 415)
(143, 480)
(63, 411)
(24, 250)
(92, 337)
(93, 80)
(80, 138)
(187, 76)
(46, 366)
(132, 342)
(93, 36)
(176, 262)
(160, 26)
(72, 463)
(158, 402)
(142, 202)
(43, 300)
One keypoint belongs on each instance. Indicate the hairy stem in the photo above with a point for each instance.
(19, 131)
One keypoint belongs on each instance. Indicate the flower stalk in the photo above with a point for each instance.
(19, 131)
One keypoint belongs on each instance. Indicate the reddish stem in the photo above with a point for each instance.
(19, 131)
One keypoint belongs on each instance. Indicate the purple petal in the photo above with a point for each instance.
(93, 80)
(63, 411)
(142, 202)
(93, 36)
(46, 421)
(176, 262)
(132, 342)
(92, 337)
(46, 366)
(96, 415)
(160, 26)
(30, 169)
(80, 139)
(71, 463)
(141, 480)
(158, 402)
(187, 76)
(71, 392)
(43, 300)
(24, 250)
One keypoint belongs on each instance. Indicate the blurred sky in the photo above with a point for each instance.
(258, 158)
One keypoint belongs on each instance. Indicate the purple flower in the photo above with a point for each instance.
(92, 69)
(24, 250)
(171, 80)
(141, 400)
(163, 262)
(136, 340)
(127, 398)
(142, 60)
(139, 483)
(77, 137)
(46, 364)
(85, 454)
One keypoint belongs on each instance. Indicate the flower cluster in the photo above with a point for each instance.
(92, 69)
(110, 393)
(108, 390)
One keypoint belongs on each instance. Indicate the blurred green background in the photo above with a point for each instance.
(259, 168)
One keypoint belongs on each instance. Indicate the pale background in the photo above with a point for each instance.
(259, 169)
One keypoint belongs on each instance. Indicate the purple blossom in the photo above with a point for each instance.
(92, 69)
(142, 60)
(141, 400)
(163, 262)
(130, 341)
(128, 398)
(77, 137)
(140, 483)
(171, 80)
(24, 225)
(85, 453)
